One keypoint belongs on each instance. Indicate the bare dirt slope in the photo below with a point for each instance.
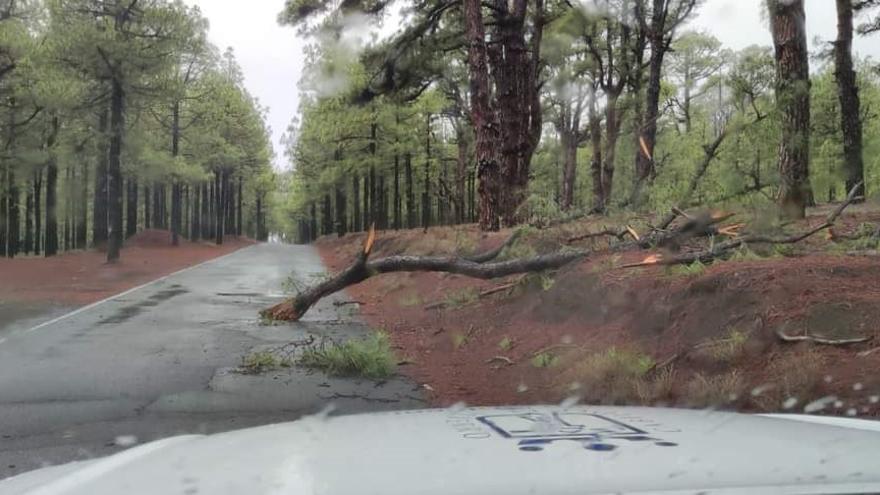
(691, 336)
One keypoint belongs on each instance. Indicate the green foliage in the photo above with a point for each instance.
(505, 344)
(370, 357)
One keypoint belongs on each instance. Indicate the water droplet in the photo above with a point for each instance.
(819, 404)
(125, 440)
(838, 404)
(324, 413)
(874, 399)
(522, 387)
(828, 378)
(569, 402)
(858, 386)
(732, 397)
(575, 386)
(456, 408)
(790, 402)
(567, 339)
(851, 411)
(760, 389)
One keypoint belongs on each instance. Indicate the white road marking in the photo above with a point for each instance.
(129, 291)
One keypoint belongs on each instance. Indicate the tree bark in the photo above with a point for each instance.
(327, 216)
(29, 220)
(238, 209)
(485, 120)
(410, 192)
(341, 225)
(114, 171)
(131, 203)
(787, 22)
(38, 219)
(397, 202)
(355, 203)
(175, 186)
(848, 94)
(82, 224)
(52, 191)
(219, 190)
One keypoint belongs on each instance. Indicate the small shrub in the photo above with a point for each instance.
(714, 391)
(659, 387)
(506, 344)
(370, 357)
(610, 377)
(796, 374)
(727, 348)
(545, 360)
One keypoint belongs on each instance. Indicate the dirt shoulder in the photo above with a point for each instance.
(82, 277)
(699, 336)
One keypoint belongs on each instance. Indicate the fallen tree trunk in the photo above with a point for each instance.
(294, 308)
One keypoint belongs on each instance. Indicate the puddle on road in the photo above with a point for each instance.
(127, 312)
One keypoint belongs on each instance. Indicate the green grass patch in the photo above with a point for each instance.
(370, 357)
(694, 269)
(506, 344)
(545, 360)
(263, 361)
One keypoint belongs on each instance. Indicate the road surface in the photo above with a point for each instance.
(161, 360)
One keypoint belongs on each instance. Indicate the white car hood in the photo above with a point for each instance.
(512, 450)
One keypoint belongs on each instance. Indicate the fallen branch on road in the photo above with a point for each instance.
(293, 309)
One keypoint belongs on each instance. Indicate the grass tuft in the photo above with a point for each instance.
(370, 357)
(261, 362)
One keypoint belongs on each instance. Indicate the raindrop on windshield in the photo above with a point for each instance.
(456, 408)
(819, 404)
(522, 387)
(790, 403)
(858, 386)
(125, 440)
(569, 402)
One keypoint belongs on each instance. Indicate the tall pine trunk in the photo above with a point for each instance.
(848, 94)
(787, 22)
(239, 198)
(397, 203)
(175, 186)
(114, 171)
(131, 208)
(99, 206)
(52, 191)
(410, 192)
(82, 223)
(38, 210)
(218, 208)
(355, 203)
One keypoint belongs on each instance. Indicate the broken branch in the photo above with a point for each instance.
(293, 309)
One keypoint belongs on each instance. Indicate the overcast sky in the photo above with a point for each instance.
(272, 60)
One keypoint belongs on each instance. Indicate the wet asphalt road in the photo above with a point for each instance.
(161, 360)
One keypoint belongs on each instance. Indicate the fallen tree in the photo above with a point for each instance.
(483, 266)
(294, 308)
